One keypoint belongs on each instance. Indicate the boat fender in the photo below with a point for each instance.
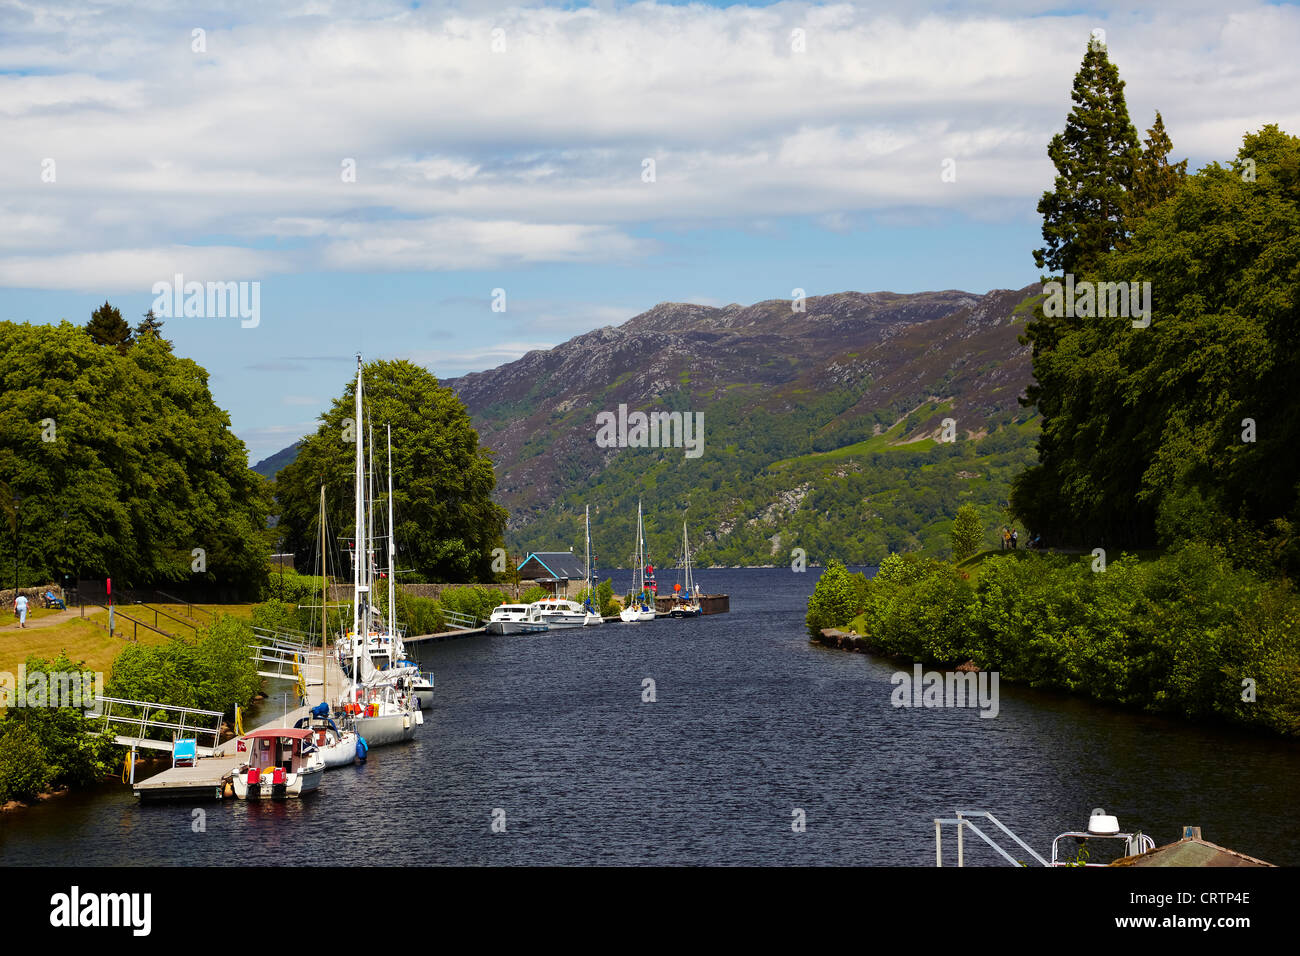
(362, 748)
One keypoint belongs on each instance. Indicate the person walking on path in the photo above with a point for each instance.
(20, 609)
(1015, 539)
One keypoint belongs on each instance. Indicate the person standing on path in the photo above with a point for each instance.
(20, 609)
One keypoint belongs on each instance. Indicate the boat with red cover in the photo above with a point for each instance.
(282, 762)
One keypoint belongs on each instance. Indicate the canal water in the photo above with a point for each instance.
(551, 734)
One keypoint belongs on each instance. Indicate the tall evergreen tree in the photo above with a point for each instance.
(107, 327)
(1083, 214)
(1155, 179)
(151, 326)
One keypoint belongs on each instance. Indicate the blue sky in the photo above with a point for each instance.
(504, 146)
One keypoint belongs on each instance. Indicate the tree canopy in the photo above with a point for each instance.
(1095, 158)
(107, 327)
(122, 465)
(446, 521)
(1186, 429)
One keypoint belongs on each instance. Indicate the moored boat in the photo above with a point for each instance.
(516, 619)
(639, 607)
(338, 746)
(380, 702)
(282, 762)
(591, 613)
(559, 613)
(688, 601)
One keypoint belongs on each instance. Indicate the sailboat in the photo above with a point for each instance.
(338, 746)
(380, 703)
(592, 606)
(421, 684)
(688, 601)
(638, 607)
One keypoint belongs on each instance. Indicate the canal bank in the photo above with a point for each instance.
(744, 722)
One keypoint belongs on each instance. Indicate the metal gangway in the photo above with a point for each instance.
(962, 820)
(289, 658)
(1101, 826)
(458, 621)
(132, 729)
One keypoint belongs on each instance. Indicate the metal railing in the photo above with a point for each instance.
(291, 659)
(173, 599)
(117, 612)
(465, 622)
(963, 822)
(130, 730)
(192, 624)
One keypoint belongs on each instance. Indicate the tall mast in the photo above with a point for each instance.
(640, 547)
(324, 577)
(588, 551)
(686, 553)
(370, 526)
(359, 525)
(392, 548)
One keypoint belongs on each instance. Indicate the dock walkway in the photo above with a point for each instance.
(205, 780)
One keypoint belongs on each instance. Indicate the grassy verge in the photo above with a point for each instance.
(81, 639)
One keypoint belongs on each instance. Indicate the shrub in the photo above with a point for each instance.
(214, 672)
(24, 764)
(833, 601)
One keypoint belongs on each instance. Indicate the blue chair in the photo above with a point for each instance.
(185, 752)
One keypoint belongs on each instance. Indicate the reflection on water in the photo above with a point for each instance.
(750, 723)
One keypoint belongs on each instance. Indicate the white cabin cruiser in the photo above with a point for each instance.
(516, 619)
(560, 613)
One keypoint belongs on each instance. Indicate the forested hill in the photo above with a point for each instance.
(820, 426)
(268, 467)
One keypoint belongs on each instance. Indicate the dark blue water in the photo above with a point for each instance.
(750, 723)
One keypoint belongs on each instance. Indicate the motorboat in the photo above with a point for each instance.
(281, 762)
(516, 619)
(560, 613)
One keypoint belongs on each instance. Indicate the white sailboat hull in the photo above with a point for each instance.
(388, 729)
(422, 694)
(341, 753)
(295, 785)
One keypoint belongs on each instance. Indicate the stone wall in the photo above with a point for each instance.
(33, 594)
(342, 593)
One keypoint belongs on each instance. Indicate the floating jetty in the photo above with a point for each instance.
(709, 604)
(206, 778)
(446, 635)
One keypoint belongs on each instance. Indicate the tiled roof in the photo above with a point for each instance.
(553, 565)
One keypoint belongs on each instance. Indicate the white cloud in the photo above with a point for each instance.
(136, 270)
(469, 159)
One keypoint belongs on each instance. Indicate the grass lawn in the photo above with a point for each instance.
(83, 640)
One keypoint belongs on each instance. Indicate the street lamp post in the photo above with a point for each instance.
(17, 539)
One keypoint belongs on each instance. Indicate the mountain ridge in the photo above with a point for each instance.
(789, 398)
